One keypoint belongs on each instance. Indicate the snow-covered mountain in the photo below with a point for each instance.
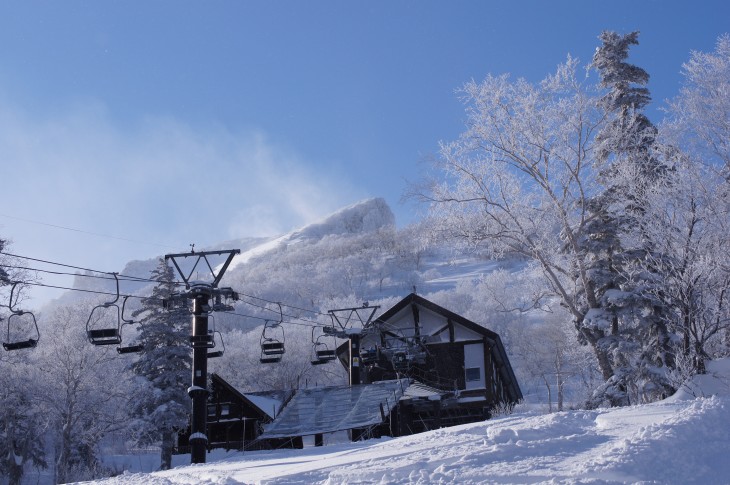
(365, 216)
(680, 440)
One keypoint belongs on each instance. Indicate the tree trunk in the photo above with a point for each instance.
(604, 361)
(168, 440)
(15, 474)
(63, 456)
(561, 388)
(550, 394)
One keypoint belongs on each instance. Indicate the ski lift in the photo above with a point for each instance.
(217, 353)
(321, 352)
(20, 318)
(272, 343)
(130, 349)
(272, 340)
(108, 335)
(211, 339)
(221, 305)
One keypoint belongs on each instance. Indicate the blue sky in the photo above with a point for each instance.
(173, 122)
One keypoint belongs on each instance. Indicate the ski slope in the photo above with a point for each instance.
(683, 439)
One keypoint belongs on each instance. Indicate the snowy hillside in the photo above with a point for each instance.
(365, 216)
(680, 440)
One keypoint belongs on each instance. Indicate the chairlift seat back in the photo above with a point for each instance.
(104, 336)
(130, 349)
(272, 348)
(270, 359)
(326, 355)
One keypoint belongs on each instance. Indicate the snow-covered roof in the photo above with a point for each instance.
(267, 404)
(336, 408)
(420, 390)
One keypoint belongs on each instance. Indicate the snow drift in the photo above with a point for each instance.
(680, 440)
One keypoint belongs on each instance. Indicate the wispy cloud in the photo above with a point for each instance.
(157, 179)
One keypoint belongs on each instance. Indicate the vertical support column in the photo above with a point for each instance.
(354, 359)
(198, 392)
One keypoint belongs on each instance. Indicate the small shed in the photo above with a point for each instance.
(235, 420)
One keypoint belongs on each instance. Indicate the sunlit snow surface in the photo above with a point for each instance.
(684, 439)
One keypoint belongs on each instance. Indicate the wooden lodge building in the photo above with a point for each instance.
(415, 368)
(464, 365)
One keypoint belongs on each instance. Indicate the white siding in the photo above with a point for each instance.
(474, 359)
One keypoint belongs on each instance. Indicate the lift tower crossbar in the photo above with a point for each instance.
(201, 293)
(344, 318)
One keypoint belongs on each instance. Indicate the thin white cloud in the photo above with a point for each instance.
(158, 180)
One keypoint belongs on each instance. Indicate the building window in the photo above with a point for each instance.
(473, 374)
(225, 410)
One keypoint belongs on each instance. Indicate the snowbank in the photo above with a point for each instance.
(681, 440)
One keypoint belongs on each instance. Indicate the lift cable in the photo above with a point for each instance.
(105, 273)
(105, 276)
(95, 292)
(85, 232)
(309, 323)
(284, 304)
(313, 322)
(99, 277)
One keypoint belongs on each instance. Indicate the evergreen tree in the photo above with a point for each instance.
(165, 364)
(634, 327)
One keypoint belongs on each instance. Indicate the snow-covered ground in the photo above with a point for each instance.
(683, 439)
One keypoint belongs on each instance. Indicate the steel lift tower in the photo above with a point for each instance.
(201, 340)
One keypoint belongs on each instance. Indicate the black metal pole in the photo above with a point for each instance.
(354, 359)
(198, 392)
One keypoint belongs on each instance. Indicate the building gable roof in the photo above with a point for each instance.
(449, 315)
(264, 404)
(495, 342)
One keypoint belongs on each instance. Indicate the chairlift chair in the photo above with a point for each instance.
(321, 352)
(29, 343)
(107, 335)
(16, 319)
(217, 353)
(272, 342)
(129, 349)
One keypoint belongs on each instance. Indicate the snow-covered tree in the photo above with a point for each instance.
(518, 180)
(615, 240)
(694, 265)
(693, 222)
(699, 118)
(83, 390)
(23, 422)
(162, 408)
